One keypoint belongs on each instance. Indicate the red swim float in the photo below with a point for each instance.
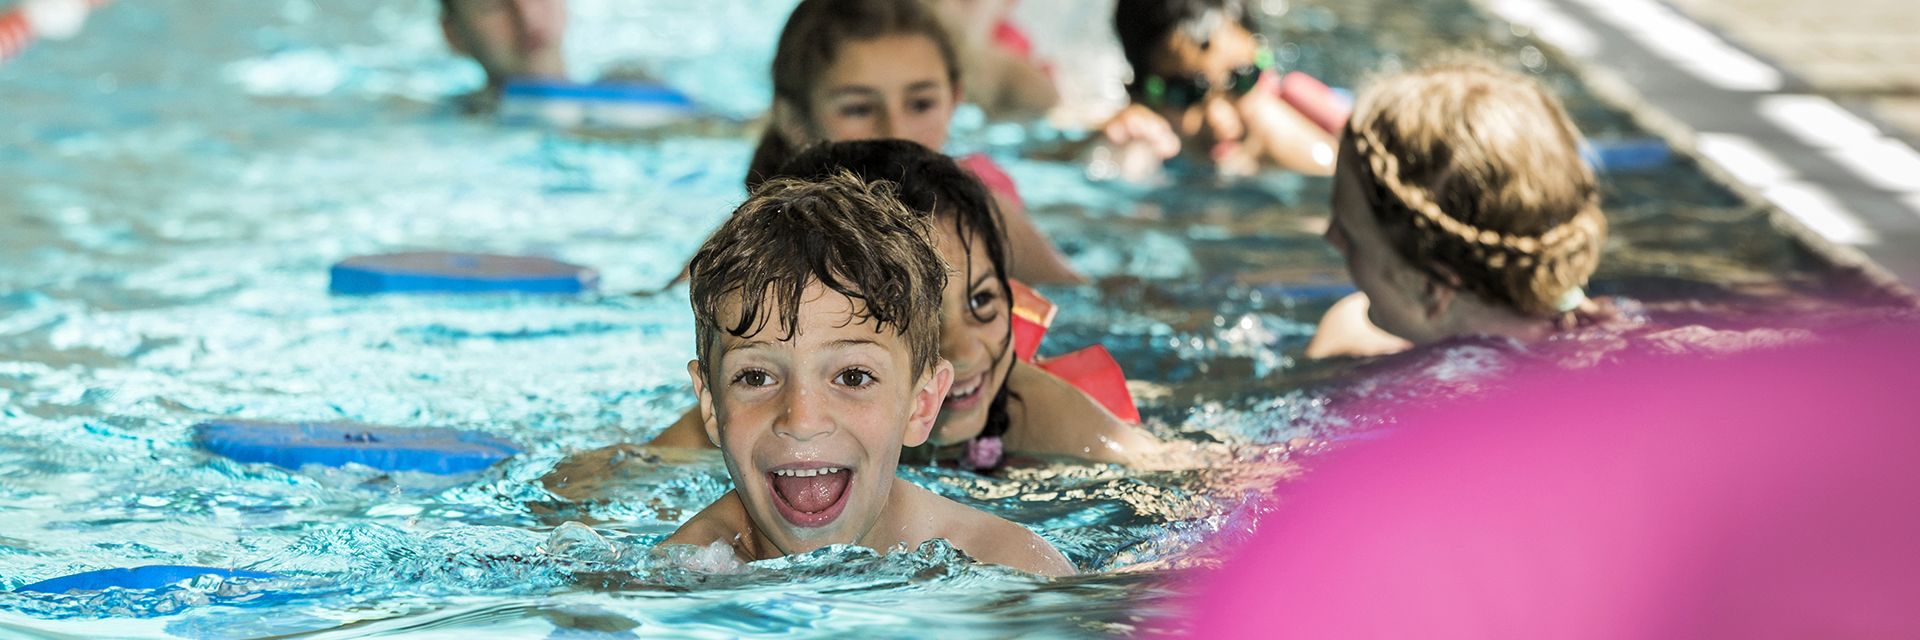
(1092, 370)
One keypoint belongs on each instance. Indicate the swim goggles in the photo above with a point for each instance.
(1180, 92)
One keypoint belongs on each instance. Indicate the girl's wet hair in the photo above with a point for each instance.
(1475, 175)
(850, 235)
(935, 187)
(811, 42)
(1144, 26)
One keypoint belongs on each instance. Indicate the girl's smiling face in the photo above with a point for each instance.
(976, 324)
(893, 86)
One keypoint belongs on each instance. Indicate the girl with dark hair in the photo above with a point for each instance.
(876, 69)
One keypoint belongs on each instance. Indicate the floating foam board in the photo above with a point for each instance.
(335, 444)
(150, 577)
(620, 105)
(453, 272)
(1627, 156)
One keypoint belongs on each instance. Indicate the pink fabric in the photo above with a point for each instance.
(983, 454)
(1768, 495)
(1012, 39)
(990, 174)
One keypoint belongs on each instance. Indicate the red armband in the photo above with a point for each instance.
(1094, 371)
(1091, 370)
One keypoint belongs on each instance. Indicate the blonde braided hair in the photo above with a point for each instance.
(1476, 178)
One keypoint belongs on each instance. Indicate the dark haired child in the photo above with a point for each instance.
(816, 311)
(1204, 85)
(877, 69)
(1463, 208)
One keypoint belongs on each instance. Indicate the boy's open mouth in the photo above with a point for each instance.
(810, 497)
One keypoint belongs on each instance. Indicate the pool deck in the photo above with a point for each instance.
(1812, 107)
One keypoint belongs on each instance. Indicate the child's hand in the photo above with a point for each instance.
(586, 475)
(1138, 125)
(1285, 136)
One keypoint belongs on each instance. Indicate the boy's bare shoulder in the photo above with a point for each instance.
(725, 520)
(988, 538)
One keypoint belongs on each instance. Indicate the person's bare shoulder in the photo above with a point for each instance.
(988, 538)
(592, 474)
(1346, 332)
(725, 520)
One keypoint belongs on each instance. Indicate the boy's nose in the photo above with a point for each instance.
(807, 416)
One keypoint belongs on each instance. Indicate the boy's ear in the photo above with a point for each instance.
(705, 394)
(927, 400)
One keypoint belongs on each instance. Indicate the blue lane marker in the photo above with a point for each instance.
(150, 577)
(335, 444)
(452, 272)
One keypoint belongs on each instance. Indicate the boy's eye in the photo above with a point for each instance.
(752, 378)
(856, 110)
(923, 105)
(856, 378)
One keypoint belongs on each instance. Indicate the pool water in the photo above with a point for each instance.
(175, 182)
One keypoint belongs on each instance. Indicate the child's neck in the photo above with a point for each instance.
(1473, 318)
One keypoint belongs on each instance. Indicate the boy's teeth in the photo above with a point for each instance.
(806, 473)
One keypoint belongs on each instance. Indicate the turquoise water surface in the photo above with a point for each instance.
(175, 182)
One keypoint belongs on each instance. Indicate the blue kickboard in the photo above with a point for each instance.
(150, 577)
(1626, 156)
(335, 444)
(622, 92)
(453, 272)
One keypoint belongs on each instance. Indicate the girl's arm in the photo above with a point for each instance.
(1284, 136)
(1052, 417)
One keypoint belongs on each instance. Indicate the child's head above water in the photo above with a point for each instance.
(976, 315)
(509, 38)
(1186, 52)
(859, 69)
(816, 310)
(1468, 178)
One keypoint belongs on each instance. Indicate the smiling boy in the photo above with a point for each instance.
(816, 310)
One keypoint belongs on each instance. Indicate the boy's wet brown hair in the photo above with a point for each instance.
(1475, 175)
(849, 235)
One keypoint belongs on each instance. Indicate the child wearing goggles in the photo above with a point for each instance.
(1203, 83)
